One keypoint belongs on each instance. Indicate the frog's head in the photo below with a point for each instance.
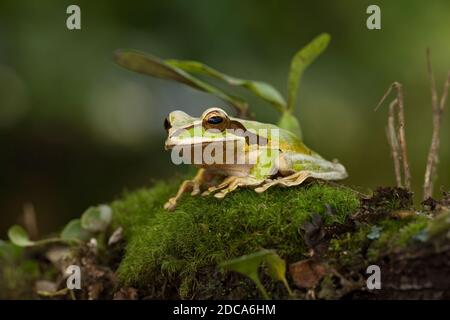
(212, 126)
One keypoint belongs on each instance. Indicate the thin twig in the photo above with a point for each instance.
(397, 139)
(438, 109)
(402, 136)
(393, 142)
(388, 91)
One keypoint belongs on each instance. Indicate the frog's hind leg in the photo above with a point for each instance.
(187, 185)
(230, 184)
(294, 179)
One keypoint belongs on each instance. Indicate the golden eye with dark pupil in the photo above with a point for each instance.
(215, 120)
(167, 124)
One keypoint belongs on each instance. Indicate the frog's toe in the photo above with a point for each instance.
(171, 204)
(238, 182)
(212, 190)
(220, 195)
(195, 189)
(264, 187)
(225, 183)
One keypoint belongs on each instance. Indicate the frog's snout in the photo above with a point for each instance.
(168, 145)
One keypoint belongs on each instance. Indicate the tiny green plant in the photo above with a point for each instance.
(73, 231)
(19, 236)
(185, 71)
(250, 264)
(93, 221)
(96, 219)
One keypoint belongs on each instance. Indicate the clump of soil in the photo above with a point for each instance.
(437, 205)
(383, 202)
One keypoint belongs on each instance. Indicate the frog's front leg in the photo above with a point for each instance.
(187, 186)
(230, 184)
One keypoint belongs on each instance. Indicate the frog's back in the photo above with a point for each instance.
(288, 141)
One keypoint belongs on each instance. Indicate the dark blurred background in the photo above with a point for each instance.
(77, 130)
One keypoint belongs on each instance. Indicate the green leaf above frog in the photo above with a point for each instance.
(239, 152)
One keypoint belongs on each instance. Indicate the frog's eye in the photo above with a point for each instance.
(215, 120)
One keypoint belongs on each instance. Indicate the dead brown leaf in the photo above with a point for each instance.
(307, 273)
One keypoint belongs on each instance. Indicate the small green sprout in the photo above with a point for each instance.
(249, 265)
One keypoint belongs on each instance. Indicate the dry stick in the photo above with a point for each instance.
(427, 181)
(397, 140)
(438, 109)
(402, 137)
(393, 142)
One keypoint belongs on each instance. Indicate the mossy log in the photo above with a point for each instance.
(328, 234)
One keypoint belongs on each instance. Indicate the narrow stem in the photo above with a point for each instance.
(260, 287)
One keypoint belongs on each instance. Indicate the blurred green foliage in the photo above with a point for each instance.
(76, 130)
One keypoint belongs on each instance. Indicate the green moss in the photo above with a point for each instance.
(348, 249)
(440, 224)
(356, 248)
(135, 209)
(396, 234)
(170, 250)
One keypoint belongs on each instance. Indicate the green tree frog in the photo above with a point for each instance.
(233, 153)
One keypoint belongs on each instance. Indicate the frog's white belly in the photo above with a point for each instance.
(237, 170)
